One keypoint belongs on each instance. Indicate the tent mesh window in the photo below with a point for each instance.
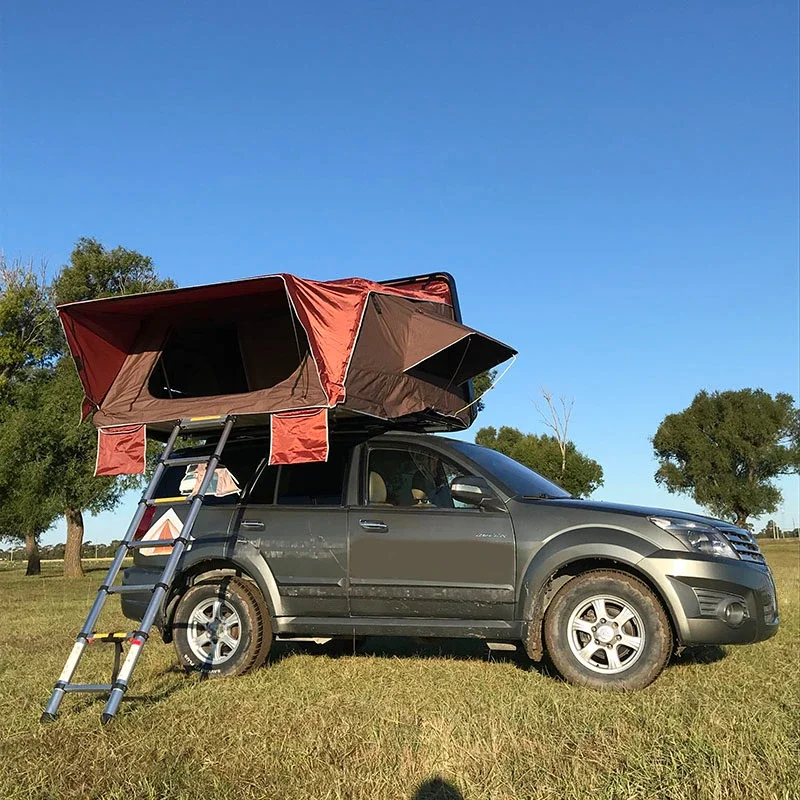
(230, 357)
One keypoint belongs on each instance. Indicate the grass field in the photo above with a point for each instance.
(398, 719)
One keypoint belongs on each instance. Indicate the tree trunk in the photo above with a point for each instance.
(72, 552)
(741, 519)
(32, 553)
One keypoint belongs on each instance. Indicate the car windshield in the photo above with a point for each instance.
(518, 478)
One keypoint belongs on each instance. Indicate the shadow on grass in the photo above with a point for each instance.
(699, 654)
(133, 703)
(408, 647)
(437, 789)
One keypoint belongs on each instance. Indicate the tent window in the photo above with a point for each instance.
(199, 362)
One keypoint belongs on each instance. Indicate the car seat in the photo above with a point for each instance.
(377, 490)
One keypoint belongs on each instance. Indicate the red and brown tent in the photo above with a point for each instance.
(280, 349)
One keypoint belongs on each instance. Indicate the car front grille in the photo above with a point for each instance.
(744, 544)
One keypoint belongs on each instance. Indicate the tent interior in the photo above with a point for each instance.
(231, 348)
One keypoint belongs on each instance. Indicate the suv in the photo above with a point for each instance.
(425, 536)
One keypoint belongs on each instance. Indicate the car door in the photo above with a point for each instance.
(296, 517)
(414, 551)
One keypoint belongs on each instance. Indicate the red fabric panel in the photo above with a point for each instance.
(99, 352)
(120, 450)
(299, 437)
(437, 288)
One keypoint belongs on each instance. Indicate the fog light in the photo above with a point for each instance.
(735, 614)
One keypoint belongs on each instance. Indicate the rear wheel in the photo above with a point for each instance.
(221, 628)
(607, 630)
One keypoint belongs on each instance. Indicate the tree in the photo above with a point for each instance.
(29, 341)
(72, 449)
(27, 505)
(771, 530)
(481, 384)
(558, 422)
(29, 336)
(93, 272)
(580, 475)
(726, 449)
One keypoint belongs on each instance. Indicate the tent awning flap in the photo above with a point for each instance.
(463, 360)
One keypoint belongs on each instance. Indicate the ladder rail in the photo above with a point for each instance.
(165, 582)
(121, 676)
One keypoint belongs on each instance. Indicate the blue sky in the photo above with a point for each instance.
(614, 186)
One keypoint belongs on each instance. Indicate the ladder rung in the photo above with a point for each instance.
(176, 501)
(185, 461)
(136, 587)
(117, 636)
(201, 423)
(88, 687)
(141, 544)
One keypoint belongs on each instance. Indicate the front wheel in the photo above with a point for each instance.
(607, 630)
(221, 628)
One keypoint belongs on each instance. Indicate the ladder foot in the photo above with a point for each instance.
(105, 718)
(48, 717)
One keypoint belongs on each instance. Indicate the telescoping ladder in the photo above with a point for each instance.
(121, 676)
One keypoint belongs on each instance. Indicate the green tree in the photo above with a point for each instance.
(29, 335)
(481, 384)
(572, 470)
(726, 449)
(92, 272)
(27, 505)
(72, 450)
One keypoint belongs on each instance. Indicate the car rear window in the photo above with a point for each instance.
(240, 463)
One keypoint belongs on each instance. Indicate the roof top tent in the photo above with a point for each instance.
(359, 353)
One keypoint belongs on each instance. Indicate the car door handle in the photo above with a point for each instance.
(374, 526)
(253, 524)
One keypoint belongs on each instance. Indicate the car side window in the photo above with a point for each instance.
(230, 479)
(410, 478)
(263, 492)
(321, 484)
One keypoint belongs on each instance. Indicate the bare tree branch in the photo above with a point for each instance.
(558, 421)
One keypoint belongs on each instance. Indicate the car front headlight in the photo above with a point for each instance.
(696, 536)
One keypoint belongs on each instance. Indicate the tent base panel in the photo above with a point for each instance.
(340, 420)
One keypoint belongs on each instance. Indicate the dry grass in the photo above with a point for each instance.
(385, 722)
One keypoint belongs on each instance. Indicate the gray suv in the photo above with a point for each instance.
(420, 535)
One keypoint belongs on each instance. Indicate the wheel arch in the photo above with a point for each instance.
(548, 572)
(206, 566)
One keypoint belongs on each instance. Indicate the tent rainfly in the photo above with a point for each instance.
(278, 349)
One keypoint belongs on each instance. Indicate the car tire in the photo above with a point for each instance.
(221, 628)
(607, 630)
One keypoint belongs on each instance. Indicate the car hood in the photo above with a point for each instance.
(619, 508)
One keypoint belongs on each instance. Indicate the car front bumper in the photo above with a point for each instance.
(701, 589)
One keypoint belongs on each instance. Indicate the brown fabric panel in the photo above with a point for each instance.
(162, 411)
(414, 335)
(463, 360)
(389, 395)
(395, 335)
(129, 400)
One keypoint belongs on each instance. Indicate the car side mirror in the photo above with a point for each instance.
(475, 491)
